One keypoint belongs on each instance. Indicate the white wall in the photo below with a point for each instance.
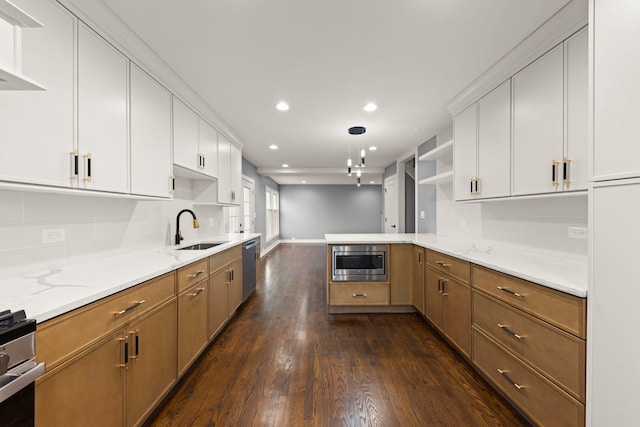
(95, 227)
(542, 223)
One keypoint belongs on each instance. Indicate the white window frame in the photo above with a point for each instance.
(272, 213)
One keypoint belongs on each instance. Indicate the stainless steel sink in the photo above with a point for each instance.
(200, 246)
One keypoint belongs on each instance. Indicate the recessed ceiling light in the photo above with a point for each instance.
(373, 148)
(273, 147)
(282, 106)
(370, 107)
(284, 165)
(304, 182)
(372, 182)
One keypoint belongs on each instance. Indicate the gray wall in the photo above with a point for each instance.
(260, 188)
(427, 193)
(310, 211)
(410, 204)
(390, 171)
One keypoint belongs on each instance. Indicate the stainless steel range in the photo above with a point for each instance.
(18, 369)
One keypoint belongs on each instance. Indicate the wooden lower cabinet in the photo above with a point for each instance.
(87, 390)
(448, 307)
(358, 293)
(235, 286)
(417, 292)
(401, 274)
(537, 397)
(218, 301)
(192, 324)
(152, 363)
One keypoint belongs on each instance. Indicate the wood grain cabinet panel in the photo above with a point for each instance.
(191, 274)
(401, 274)
(192, 324)
(454, 267)
(65, 335)
(417, 292)
(558, 354)
(354, 293)
(558, 308)
(541, 400)
(222, 259)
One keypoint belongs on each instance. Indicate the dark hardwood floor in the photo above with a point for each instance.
(283, 361)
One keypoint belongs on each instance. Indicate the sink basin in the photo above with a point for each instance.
(200, 246)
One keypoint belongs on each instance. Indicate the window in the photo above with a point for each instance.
(272, 214)
(233, 219)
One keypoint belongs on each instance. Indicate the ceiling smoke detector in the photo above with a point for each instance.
(357, 130)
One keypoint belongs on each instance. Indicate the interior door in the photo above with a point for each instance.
(247, 206)
(390, 205)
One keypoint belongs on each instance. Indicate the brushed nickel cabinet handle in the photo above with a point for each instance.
(131, 307)
(510, 292)
(197, 292)
(359, 295)
(443, 264)
(196, 274)
(510, 332)
(506, 376)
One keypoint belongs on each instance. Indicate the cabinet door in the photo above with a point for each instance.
(494, 143)
(37, 127)
(401, 277)
(418, 278)
(102, 114)
(616, 97)
(538, 123)
(577, 146)
(613, 302)
(456, 312)
(218, 301)
(150, 136)
(224, 169)
(465, 153)
(185, 136)
(152, 365)
(433, 297)
(208, 147)
(235, 175)
(235, 287)
(94, 380)
(192, 324)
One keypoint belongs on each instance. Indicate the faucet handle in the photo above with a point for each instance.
(181, 236)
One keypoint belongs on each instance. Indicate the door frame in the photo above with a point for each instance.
(252, 183)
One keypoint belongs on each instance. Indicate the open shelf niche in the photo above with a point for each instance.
(443, 155)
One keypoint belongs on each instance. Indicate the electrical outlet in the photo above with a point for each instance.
(53, 235)
(421, 214)
(578, 233)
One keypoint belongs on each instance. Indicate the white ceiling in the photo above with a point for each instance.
(327, 59)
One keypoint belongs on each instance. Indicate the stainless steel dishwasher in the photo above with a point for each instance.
(248, 269)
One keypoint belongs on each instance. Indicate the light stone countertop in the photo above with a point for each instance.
(47, 294)
(564, 272)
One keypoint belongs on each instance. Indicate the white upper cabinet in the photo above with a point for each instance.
(37, 127)
(151, 167)
(229, 171)
(616, 96)
(482, 147)
(575, 170)
(185, 136)
(195, 145)
(465, 149)
(208, 148)
(102, 114)
(538, 128)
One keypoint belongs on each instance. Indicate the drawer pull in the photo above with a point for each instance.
(443, 264)
(359, 295)
(131, 307)
(196, 274)
(510, 292)
(510, 332)
(197, 292)
(515, 384)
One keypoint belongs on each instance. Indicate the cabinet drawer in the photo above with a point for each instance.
(537, 397)
(558, 308)
(59, 338)
(556, 353)
(192, 274)
(450, 265)
(218, 261)
(359, 294)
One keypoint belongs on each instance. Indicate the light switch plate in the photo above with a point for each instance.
(578, 233)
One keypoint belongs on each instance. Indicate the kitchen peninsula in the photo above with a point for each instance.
(517, 314)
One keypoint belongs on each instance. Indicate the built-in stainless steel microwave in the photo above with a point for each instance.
(357, 263)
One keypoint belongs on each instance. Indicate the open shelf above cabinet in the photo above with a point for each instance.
(443, 153)
(440, 178)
